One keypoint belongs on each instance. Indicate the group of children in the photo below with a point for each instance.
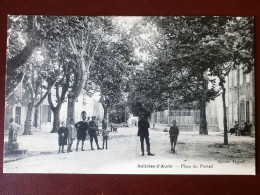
(67, 134)
(72, 131)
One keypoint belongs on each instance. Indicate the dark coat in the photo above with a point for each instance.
(143, 126)
(93, 127)
(174, 131)
(63, 136)
(82, 127)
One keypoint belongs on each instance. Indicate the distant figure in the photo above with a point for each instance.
(63, 135)
(71, 134)
(113, 128)
(174, 132)
(105, 134)
(234, 129)
(246, 129)
(82, 127)
(143, 126)
(93, 132)
(12, 134)
(237, 128)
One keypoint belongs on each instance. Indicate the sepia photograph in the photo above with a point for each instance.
(168, 95)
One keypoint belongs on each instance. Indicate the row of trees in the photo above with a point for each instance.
(74, 53)
(180, 60)
(185, 52)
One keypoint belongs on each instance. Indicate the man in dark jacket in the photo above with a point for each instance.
(93, 127)
(82, 127)
(174, 132)
(143, 126)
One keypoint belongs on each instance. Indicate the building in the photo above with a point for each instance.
(17, 106)
(241, 98)
(90, 105)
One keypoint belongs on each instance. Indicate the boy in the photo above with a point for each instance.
(92, 131)
(82, 127)
(71, 134)
(63, 136)
(174, 132)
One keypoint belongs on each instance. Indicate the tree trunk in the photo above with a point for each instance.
(28, 121)
(105, 116)
(56, 119)
(225, 113)
(71, 106)
(203, 118)
(154, 113)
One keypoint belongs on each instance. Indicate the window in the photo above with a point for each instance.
(242, 112)
(18, 115)
(247, 112)
(235, 112)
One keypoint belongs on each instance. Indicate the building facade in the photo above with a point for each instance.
(17, 105)
(241, 98)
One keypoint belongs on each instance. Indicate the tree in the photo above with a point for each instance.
(182, 51)
(22, 40)
(111, 69)
(65, 69)
(213, 44)
(233, 47)
(84, 37)
(33, 81)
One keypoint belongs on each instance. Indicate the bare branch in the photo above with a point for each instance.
(73, 45)
(45, 94)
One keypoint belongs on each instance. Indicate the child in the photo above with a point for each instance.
(63, 135)
(82, 127)
(174, 132)
(105, 134)
(71, 134)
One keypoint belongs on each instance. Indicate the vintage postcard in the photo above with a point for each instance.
(130, 95)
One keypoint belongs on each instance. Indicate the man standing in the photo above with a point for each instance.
(143, 132)
(93, 127)
(82, 127)
(174, 132)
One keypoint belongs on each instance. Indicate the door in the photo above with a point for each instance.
(242, 113)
